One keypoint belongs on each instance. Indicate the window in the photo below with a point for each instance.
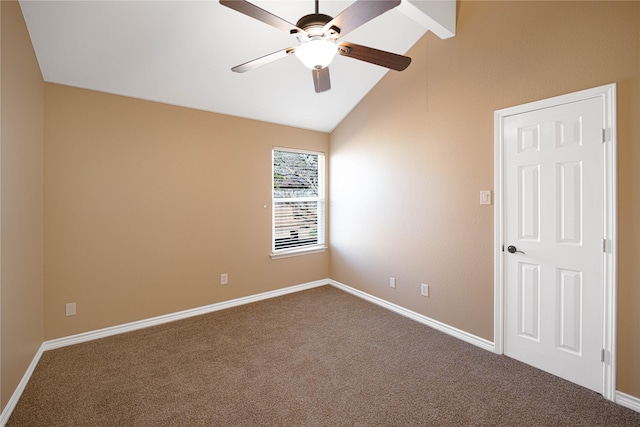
(298, 201)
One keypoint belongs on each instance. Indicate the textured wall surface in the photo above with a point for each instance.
(408, 163)
(21, 141)
(147, 204)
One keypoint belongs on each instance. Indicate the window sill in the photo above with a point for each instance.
(297, 252)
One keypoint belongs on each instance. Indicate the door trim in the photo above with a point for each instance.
(608, 95)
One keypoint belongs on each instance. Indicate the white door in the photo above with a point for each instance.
(554, 225)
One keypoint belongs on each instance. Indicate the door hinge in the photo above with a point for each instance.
(602, 355)
(604, 136)
(605, 246)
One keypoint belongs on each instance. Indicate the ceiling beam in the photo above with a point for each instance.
(438, 16)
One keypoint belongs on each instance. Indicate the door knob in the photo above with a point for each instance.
(512, 250)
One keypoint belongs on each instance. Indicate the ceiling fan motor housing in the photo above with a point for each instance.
(314, 24)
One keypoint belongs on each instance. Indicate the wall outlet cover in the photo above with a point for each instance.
(70, 309)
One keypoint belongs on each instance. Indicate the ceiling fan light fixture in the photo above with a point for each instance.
(318, 35)
(316, 53)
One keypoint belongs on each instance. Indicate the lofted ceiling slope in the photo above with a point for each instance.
(181, 52)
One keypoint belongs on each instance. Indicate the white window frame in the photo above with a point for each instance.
(321, 199)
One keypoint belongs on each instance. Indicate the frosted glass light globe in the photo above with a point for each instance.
(316, 54)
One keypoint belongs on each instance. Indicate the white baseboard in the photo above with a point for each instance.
(128, 327)
(442, 327)
(622, 399)
(628, 401)
(159, 320)
(13, 401)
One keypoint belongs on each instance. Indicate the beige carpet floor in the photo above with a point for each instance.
(320, 357)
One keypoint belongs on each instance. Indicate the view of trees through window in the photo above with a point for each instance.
(297, 199)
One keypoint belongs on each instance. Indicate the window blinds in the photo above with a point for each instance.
(298, 199)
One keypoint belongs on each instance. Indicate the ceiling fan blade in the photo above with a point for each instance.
(254, 11)
(263, 60)
(358, 13)
(321, 80)
(374, 56)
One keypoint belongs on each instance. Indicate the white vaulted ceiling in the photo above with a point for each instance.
(181, 53)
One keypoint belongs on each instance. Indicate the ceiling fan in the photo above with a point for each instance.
(318, 36)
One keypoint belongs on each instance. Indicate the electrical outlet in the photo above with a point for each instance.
(70, 309)
(424, 290)
(392, 282)
(224, 279)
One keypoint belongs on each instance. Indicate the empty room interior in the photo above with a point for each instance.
(137, 186)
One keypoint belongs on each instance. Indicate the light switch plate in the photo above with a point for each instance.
(485, 197)
(424, 289)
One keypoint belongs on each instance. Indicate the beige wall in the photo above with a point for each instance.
(409, 162)
(21, 141)
(147, 204)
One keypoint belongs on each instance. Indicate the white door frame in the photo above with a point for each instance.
(608, 95)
